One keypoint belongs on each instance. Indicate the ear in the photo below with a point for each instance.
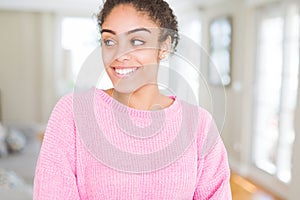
(165, 48)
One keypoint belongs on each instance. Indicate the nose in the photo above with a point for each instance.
(123, 56)
(123, 52)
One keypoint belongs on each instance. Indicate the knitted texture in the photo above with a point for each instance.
(73, 165)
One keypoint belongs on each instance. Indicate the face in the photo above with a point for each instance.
(130, 48)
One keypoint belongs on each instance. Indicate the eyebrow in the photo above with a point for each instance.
(128, 32)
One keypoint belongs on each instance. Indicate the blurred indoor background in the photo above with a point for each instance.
(254, 44)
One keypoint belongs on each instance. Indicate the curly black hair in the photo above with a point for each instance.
(158, 10)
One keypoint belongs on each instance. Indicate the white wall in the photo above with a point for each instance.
(26, 62)
(294, 189)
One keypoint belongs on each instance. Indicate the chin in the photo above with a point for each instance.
(131, 86)
(127, 89)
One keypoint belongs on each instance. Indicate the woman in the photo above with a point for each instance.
(153, 155)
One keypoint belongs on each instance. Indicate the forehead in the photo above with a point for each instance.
(125, 17)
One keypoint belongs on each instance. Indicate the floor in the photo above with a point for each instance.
(243, 189)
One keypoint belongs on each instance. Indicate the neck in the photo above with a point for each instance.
(145, 98)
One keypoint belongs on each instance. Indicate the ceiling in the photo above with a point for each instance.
(83, 6)
(89, 7)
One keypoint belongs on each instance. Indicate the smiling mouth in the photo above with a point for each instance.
(125, 71)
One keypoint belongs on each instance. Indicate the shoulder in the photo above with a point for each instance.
(207, 133)
(199, 113)
(198, 119)
(66, 104)
(63, 107)
(65, 101)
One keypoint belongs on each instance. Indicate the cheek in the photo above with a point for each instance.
(107, 57)
(147, 57)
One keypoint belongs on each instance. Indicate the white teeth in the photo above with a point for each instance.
(125, 71)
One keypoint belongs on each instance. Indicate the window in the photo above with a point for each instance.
(79, 37)
(220, 51)
(276, 90)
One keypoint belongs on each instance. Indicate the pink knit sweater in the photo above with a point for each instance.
(109, 153)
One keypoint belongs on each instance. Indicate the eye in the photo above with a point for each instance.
(137, 42)
(109, 42)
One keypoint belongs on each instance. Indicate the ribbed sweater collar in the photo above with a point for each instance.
(112, 104)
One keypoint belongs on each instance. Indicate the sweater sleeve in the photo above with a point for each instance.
(55, 176)
(213, 169)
